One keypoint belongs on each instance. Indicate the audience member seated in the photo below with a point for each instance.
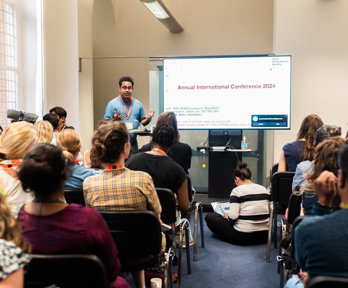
(304, 168)
(165, 172)
(180, 152)
(117, 188)
(320, 240)
(14, 142)
(44, 131)
(70, 142)
(54, 227)
(12, 258)
(303, 148)
(61, 114)
(53, 119)
(326, 159)
(246, 222)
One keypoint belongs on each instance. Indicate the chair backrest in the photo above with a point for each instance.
(273, 170)
(74, 196)
(189, 188)
(297, 221)
(137, 235)
(327, 282)
(66, 270)
(282, 187)
(294, 208)
(168, 203)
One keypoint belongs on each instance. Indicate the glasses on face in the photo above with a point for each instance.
(127, 88)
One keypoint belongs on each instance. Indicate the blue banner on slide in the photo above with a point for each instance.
(269, 121)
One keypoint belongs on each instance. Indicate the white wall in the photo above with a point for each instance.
(61, 57)
(315, 33)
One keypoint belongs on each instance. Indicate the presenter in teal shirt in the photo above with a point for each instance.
(127, 109)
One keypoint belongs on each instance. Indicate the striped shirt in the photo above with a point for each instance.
(121, 190)
(249, 207)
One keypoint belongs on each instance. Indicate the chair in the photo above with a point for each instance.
(137, 235)
(197, 209)
(168, 216)
(65, 270)
(74, 196)
(327, 282)
(281, 190)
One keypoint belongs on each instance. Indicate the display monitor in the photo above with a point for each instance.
(235, 92)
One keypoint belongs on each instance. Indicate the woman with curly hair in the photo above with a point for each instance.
(303, 148)
(326, 159)
(12, 258)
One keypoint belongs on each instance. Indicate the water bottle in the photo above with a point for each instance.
(244, 144)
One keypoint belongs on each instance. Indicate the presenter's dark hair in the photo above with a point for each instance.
(108, 142)
(43, 170)
(242, 171)
(52, 119)
(168, 118)
(164, 135)
(60, 111)
(343, 160)
(125, 78)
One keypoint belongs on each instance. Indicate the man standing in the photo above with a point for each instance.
(127, 109)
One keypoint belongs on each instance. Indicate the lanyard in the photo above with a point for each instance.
(12, 164)
(125, 109)
(113, 167)
(76, 162)
(160, 151)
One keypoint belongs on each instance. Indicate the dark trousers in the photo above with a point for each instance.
(224, 230)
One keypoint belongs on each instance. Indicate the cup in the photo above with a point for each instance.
(156, 283)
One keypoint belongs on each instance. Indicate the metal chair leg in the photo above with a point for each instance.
(269, 240)
(201, 224)
(275, 224)
(195, 233)
(187, 240)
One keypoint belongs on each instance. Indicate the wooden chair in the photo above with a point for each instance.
(74, 196)
(65, 270)
(168, 216)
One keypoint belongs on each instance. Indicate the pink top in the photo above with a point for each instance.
(74, 230)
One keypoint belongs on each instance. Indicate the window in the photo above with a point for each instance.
(8, 60)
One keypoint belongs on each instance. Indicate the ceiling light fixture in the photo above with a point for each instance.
(160, 11)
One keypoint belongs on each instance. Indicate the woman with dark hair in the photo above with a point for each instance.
(165, 172)
(246, 222)
(54, 227)
(303, 148)
(117, 188)
(180, 152)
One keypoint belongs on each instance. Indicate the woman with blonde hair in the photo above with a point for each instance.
(12, 258)
(44, 131)
(70, 142)
(14, 142)
(303, 148)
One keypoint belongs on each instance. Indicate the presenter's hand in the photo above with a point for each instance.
(151, 114)
(117, 116)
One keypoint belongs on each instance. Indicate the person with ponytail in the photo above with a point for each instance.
(303, 148)
(246, 222)
(70, 142)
